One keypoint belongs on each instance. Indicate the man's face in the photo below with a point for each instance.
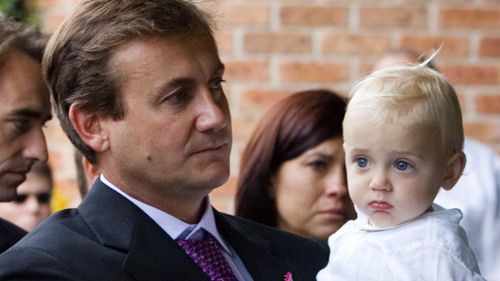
(175, 138)
(24, 109)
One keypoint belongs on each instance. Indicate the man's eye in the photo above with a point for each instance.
(22, 126)
(216, 85)
(178, 96)
(362, 162)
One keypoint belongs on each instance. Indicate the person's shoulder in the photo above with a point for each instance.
(9, 234)
(439, 223)
(440, 229)
(306, 256)
(46, 249)
(53, 250)
(9, 229)
(279, 238)
(57, 232)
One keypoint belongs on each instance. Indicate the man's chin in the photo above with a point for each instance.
(218, 179)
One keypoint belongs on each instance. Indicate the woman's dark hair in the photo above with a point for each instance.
(291, 127)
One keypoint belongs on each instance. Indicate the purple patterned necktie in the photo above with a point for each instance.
(207, 255)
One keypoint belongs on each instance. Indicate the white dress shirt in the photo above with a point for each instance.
(178, 229)
(477, 195)
(432, 247)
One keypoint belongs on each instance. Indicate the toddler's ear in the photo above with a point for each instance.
(453, 170)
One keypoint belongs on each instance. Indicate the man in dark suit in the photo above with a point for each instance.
(137, 88)
(9, 234)
(24, 109)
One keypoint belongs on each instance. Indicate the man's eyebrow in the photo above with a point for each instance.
(159, 92)
(182, 81)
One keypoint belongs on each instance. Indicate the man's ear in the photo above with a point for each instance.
(453, 170)
(88, 126)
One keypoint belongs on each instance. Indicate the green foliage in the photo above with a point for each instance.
(22, 10)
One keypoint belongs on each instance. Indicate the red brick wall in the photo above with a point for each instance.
(275, 47)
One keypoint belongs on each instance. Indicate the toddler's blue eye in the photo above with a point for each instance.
(362, 162)
(401, 165)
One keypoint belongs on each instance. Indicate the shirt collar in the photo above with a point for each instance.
(174, 227)
(437, 212)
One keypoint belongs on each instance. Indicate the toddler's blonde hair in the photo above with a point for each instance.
(408, 95)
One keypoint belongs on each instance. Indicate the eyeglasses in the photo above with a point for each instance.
(42, 198)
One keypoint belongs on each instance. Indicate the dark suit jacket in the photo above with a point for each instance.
(108, 238)
(9, 234)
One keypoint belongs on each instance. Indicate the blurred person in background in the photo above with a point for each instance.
(86, 173)
(32, 202)
(476, 194)
(292, 173)
(24, 109)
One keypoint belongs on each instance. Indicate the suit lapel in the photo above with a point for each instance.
(154, 255)
(149, 253)
(255, 251)
(110, 216)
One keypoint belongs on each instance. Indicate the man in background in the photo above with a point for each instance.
(86, 173)
(24, 109)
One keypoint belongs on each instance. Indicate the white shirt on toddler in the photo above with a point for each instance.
(431, 247)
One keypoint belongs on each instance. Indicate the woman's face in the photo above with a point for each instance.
(311, 193)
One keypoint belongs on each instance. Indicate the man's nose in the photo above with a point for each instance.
(213, 113)
(32, 204)
(35, 146)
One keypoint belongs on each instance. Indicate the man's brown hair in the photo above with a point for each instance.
(76, 62)
(18, 36)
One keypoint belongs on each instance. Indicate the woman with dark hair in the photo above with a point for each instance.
(292, 173)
